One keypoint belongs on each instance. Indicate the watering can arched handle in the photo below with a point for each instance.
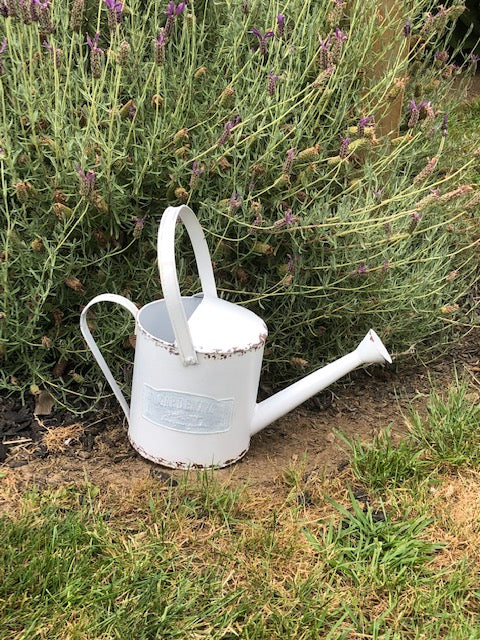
(169, 278)
(107, 297)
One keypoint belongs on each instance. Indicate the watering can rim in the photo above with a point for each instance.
(231, 350)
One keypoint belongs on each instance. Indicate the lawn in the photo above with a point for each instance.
(386, 548)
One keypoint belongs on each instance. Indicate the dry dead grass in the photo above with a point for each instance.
(455, 507)
(58, 439)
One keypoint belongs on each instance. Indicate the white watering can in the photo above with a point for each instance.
(197, 366)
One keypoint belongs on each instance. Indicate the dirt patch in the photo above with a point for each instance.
(58, 449)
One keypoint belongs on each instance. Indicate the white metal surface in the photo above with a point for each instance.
(197, 366)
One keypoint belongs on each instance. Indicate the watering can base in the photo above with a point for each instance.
(183, 465)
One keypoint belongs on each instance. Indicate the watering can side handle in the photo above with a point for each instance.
(169, 278)
(107, 297)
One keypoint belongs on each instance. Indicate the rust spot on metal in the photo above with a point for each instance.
(170, 347)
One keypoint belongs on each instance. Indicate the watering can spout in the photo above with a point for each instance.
(370, 350)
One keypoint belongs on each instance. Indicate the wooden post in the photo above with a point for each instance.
(386, 50)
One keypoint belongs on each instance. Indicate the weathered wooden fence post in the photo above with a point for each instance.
(393, 44)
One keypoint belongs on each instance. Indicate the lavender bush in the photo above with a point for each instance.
(264, 118)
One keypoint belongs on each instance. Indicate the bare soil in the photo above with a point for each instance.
(54, 450)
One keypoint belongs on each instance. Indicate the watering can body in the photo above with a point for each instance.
(192, 416)
(197, 366)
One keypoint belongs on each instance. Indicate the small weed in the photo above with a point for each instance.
(370, 550)
(381, 464)
(449, 434)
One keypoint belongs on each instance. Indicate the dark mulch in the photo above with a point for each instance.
(20, 429)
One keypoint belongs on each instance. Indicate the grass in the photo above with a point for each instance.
(388, 549)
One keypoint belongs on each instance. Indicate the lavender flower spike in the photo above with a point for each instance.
(159, 44)
(407, 29)
(262, 39)
(344, 147)
(2, 51)
(367, 121)
(272, 81)
(93, 44)
(281, 25)
(87, 181)
(115, 10)
(95, 55)
(174, 10)
(444, 127)
(414, 113)
(474, 60)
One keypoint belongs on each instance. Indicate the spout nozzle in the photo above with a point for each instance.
(371, 350)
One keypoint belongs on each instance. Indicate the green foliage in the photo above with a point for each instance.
(381, 463)
(369, 551)
(324, 239)
(447, 437)
(449, 434)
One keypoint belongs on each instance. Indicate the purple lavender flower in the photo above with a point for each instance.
(55, 52)
(34, 13)
(344, 147)
(159, 44)
(474, 60)
(235, 201)
(441, 58)
(324, 57)
(378, 194)
(172, 12)
(361, 270)
(414, 113)
(138, 228)
(287, 165)
(132, 110)
(233, 122)
(4, 9)
(291, 264)
(262, 39)
(25, 11)
(197, 171)
(339, 38)
(272, 81)
(444, 127)
(3, 48)
(289, 217)
(175, 10)
(115, 10)
(407, 29)
(95, 55)
(281, 25)
(93, 44)
(245, 7)
(339, 35)
(44, 16)
(386, 265)
(414, 220)
(87, 181)
(366, 121)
